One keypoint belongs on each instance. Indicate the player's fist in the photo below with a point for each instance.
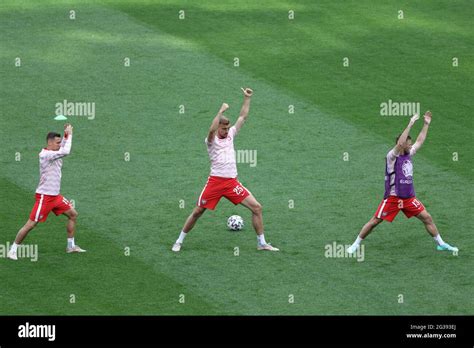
(427, 117)
(224, 107)
(247, 91)
(414, 118)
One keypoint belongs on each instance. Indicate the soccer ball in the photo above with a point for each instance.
(235, 223)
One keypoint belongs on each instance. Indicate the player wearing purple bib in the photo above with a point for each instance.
(399, 189)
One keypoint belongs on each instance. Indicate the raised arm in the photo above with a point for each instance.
(67, 132)
(244, 111)
(422, 136)
(215, 122)
(406, 132)
(66, 144)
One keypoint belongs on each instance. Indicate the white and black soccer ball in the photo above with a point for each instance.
(235, 223)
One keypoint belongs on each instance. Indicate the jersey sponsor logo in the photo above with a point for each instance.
(407, 168)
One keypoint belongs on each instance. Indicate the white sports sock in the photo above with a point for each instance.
(70, 243)
(181, 237)
(357, 241)
(261, 239)
(439, 240)
(13, 247)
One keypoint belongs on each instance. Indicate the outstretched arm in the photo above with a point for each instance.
(244, 111)
(215, 122)
(404, 135)
(422, 136)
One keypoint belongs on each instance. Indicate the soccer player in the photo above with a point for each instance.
(222, 181)
(399, 189)
(48, 197)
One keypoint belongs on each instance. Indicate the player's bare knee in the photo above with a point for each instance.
(197, 213)
(427, 219)
(72, 215)
(31, 224)
(375, 221)
(257, 209)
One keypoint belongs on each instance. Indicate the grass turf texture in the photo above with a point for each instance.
(135, 204)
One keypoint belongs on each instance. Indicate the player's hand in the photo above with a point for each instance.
(247, 91)
(68, 129)
(224, 107)
(414, 118)
(427, 117)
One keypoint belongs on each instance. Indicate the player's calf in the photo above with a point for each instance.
(364, 232)
(71, 247)
(430, 226)
(257, 221)
(23, 232)
(21, 235)
(188, 225)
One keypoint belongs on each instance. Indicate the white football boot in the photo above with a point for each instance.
(12, 255)
(352, 249)
(76, 249)
(266, 246)
(176, 247)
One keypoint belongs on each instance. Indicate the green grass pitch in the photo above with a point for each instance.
(135, 204)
